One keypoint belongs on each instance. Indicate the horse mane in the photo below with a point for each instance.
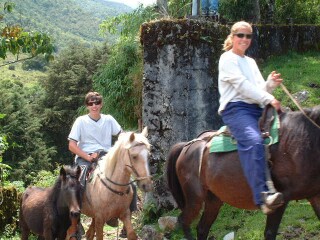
(296, 124)
(116, 151)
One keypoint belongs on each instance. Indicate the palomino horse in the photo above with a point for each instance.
(108, 195)
(51, 212)
(196, 176)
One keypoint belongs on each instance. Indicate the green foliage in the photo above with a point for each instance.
(38, 63)
(116, 85)
(16, 41)
(27, 152)
(46, 178)
(150, 212)
(121, 84)
(69, 22)
(236, 10)
(301, 11)
(128, 24)
(9, 205)
(179, 8)
(306, 12)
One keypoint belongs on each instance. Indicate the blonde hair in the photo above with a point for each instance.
(234, 29)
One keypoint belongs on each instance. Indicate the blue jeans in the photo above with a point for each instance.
(208, 6)
(242, 119)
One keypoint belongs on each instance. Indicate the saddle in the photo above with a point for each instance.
(223, 141)
(87, 171)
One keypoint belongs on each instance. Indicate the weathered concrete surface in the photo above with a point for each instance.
(180, 96)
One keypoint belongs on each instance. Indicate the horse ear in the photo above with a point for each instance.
(131, 137)
(63, 172)
(145, 132)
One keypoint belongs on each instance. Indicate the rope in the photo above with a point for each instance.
(298, 105)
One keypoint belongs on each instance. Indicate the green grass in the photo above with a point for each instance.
(299, 222)
(300, 72)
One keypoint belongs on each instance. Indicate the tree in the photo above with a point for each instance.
(18, 42)
(256, 12)
(26, 150)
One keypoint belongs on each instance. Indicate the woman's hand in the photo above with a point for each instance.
(276, 77)
(276, 104)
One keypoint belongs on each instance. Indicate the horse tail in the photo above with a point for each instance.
(172, 178)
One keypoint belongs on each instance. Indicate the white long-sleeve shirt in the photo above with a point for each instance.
(240, 80)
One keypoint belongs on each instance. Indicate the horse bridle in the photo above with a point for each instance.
(138, 178)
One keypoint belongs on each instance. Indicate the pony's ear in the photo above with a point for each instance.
(131, 139)
(145, 132)
(78, 172)
(63, 172)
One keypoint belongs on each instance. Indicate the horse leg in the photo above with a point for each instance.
(131, 235)
(47, 228)
(273, 222)
(315, 203)
(25, 231)
(193, 205)
(210, 213)
(91, 230)
(99, 223)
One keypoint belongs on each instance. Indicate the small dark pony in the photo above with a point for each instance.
(52, 212)
(196, 176)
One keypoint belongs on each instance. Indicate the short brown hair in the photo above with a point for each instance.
(92, 96)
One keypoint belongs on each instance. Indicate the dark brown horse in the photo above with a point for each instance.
(51, 212)
(196, 176)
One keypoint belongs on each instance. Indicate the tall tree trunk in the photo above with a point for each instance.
(256, 16)
(270, 13)
(163, 6)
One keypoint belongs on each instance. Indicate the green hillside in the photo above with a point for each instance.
(68, 22)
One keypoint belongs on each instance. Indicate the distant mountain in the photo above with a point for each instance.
(69, 22)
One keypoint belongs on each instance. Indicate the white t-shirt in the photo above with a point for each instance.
(92, 135)
(240, 80)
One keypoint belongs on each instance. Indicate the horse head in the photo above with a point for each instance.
(137, 147)
(69, 198)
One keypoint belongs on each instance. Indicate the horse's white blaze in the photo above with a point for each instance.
(144, 153)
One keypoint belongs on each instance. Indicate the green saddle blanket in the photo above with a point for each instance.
(226, 143)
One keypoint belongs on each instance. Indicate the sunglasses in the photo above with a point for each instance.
(98, 102)
(242, 35)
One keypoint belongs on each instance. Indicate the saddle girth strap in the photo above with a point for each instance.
(269, 181)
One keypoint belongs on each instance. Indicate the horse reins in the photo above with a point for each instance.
(138, 178)
(298, 105)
